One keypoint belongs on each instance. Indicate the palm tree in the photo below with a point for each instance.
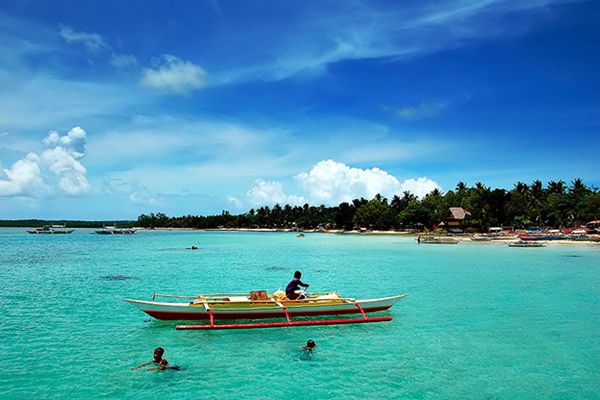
(521, 187)
(435, 193)
(577, 196)
(407, 197)
(537, 200)
(480, 186)
(556, 187)
(461, 187)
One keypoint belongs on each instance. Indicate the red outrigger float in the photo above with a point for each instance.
(259, 305)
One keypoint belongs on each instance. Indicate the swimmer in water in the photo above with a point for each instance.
(158, 360)
(310, 345)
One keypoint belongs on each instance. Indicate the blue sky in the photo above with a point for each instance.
(111, 109)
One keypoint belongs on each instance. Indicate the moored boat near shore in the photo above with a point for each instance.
(542, 237)
(527, 244)
(113, 230)
(52, 230)
(436, 240)
(481, 238)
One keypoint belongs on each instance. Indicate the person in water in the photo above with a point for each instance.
(158, 360)
(292, 291)
(310, 345)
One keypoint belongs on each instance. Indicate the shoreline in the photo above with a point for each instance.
(594, 240)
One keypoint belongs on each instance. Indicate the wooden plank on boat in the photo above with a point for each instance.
(284, 324)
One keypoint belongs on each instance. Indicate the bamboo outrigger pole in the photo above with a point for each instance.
(287, 323)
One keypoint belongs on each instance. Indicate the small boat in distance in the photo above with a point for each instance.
(436, 240)
(52, 230)
(526, 244)
(538, 237)
(480, 238)
(260, 305)
(113, 230)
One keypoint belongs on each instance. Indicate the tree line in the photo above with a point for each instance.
(555, 205)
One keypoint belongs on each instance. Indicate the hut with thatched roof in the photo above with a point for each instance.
(455, 218)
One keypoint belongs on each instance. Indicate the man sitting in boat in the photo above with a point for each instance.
(292, 291)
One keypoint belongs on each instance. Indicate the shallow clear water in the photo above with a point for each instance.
(482, 320)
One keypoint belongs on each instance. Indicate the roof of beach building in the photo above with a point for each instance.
(457, 213)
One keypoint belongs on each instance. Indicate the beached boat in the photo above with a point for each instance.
(436, 240)
(52, 230)
(538, 237)
(113, 230)
(481, 238)
(258, 305)
(527, 244)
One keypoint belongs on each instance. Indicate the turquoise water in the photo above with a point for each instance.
(482, 320)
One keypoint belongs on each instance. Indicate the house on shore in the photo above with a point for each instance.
(455, 219)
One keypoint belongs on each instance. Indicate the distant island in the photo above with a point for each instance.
(557, 205)
(554, 206)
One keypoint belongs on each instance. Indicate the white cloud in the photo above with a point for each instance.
(97, 45)
(23, 178)
(174, 74)
(420, 186)
(57, 167)
(92, 41)
(235, 201)
(73, 142)
(425, 110)
(123, 60)
(140, 194)
(331, 183)
(327, 33)
(271, 193)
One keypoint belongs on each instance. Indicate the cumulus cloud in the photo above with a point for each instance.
(73, 143)
(56, 170)
(175, 75)
(331, 183)
(23, 178)
(271, 193)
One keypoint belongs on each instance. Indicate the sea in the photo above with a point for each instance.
(481, 321)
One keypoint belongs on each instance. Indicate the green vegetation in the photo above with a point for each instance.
(525, 206)
(557, 205)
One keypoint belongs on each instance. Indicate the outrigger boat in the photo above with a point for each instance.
(113, 230)
(526, 244)
(436, 240)
(259, 305)
(52, 230)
